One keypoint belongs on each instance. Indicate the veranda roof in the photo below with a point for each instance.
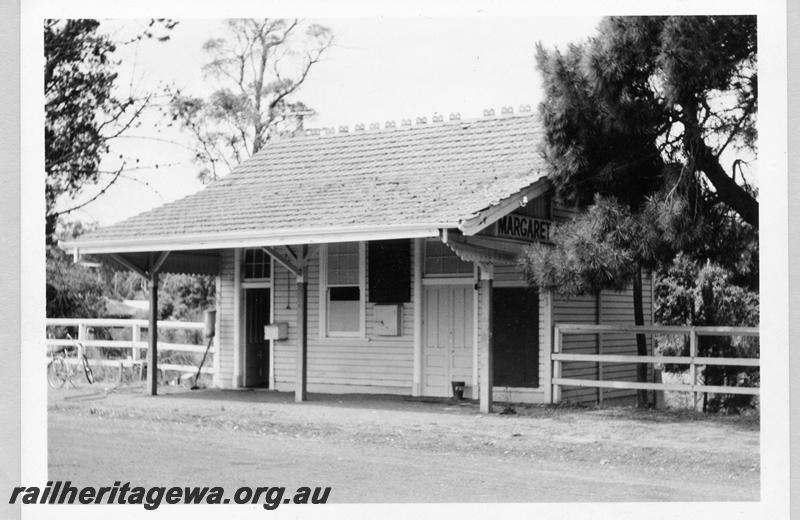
(362, 185)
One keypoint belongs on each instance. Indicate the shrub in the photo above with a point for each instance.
(690, 293)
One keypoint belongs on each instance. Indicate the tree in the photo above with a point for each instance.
(258, 68)
(652, 103)
(185, 297)
(609, 245)
(73, 290)
(605, 248)
(636, 121)
(83, 113)
(81, 290)
(690, 292)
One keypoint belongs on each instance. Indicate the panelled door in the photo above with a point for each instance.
(447, 338)
(256, 355)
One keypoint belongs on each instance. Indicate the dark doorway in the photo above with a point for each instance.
(515, 335)
(256, 355)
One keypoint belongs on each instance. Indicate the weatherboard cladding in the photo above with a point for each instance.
(427, 175)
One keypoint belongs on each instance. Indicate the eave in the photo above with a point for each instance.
(259, 238)
(495, 212)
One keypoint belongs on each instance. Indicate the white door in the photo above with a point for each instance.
(447, 336)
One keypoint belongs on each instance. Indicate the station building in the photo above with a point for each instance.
(380, 261)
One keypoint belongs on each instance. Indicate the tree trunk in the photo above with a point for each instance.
(704, 160)
(641, 341)
(734, 195)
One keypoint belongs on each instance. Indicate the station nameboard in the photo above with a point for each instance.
(521, 227)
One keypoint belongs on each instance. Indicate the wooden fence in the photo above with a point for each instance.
(557, 357)
(137, 345)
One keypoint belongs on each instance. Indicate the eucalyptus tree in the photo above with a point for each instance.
(256, 69)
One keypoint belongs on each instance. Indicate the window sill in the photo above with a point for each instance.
(345, 340)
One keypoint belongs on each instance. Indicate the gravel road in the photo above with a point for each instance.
(387, 449)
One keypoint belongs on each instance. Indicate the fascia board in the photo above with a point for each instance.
(254, 239)
(488, 216)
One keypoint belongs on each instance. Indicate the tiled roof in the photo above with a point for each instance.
(437, 174)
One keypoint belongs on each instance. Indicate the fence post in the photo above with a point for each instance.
(136, 334)
(556, 370)
(600, 367)
(82, 332)
(692, 366)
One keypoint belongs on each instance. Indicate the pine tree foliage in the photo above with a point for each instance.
(636, 121)
(598, 251)
(648, 97)
(604, 246)
(618, 112)
(629, 115)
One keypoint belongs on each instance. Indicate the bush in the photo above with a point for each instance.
(73, 291)
(691, 293)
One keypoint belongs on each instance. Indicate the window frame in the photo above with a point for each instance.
(423, 267)
(324, 295)
(269, 265)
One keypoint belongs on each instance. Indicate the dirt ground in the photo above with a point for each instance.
(392, 449)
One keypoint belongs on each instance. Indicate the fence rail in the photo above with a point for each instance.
(558, 357)
(136, 345)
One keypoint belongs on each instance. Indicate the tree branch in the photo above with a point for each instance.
(704, 160)
(102, 191)
(746, 112)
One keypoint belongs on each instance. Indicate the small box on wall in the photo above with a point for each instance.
(277, 330)
(387, 320)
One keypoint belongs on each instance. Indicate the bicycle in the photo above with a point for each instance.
(61, 369)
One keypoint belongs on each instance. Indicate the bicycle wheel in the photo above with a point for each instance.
(87, 370)
(56, 373)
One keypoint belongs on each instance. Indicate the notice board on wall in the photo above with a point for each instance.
(390, 271)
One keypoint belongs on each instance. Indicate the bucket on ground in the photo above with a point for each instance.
(458, 390)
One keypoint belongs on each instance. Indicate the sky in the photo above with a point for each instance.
(378, 69)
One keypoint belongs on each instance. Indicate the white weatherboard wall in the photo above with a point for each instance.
(385, 364)
(379, 364)
(615, 308)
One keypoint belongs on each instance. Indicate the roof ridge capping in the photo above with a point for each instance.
(408, 123)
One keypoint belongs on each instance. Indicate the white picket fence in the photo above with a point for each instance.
(137, 345)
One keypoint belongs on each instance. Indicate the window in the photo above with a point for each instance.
(441, 260)
(344, 289)
(389, 271)
(256, 264)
